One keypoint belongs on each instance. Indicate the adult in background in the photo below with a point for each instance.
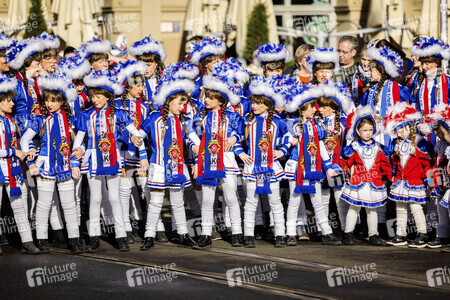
(298, 70)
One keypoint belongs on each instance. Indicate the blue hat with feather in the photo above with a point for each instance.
(271, 52)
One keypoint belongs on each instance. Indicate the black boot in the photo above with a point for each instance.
(147, 243)
(203, 242)
(3, 240)
(59, 241)
(249, 242)
(122, 244)
(43, 246)
(161, 237)
(375, 240)
(75, 246)
(30, 248)
(130, 238)
(348, 239)
(280, 241)
(236, 240)
(93, 245)
(291, 240)
(186, 241)
(330, 239)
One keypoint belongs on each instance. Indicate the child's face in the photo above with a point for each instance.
(3, 65)
(136, 91)
(429, 68)
(33, 69)
(176, 106)
(210, 65)
(259, 108)
(6, 105)
(79, 87)
(212, 103)
(151, 67)
(277, 72)
(323, 75)
(99, 101)
(365, 61)
(375, 74)
(101, 64)
(443, 134)
(53, 105)
(403, 133)
(49, 64)
(366, 132)
(326, 111)
(309, 112)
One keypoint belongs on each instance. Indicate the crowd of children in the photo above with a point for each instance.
(81, 127)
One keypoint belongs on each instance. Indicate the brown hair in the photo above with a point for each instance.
(34, 57)
(48, 53)
(110, 97)
(96, 57)
(213, 94)
(152, 57)
(128, 88)
(260, 99)
(2, 53)
(6, 95)
(301, 51)
(421, 76)
(207, 60)
(274, 65)
(321, 66)
(301, 109)
(184, 97)
(323, 101)
(365, 121)
(384, 77)
(58, 97)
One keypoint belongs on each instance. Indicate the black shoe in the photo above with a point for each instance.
(348, 239)
(94, 243)
(59, 241)
(260, 232)
(318, 237)
(130, 238)
(227, 235)
(3, 240)
(436, 243)
(291, 240)
(280, 241)
(270, 236)
(75, 246)
(249, 242)
(186, 241)
(375, 240)
(203, 242)
(330, 239)
(397, 241)
(147, 243)
(302, 234)
(30, 248)
(161, 237)
(236, 240)
(175, 237)
(122, 244)
(43, 246)
(420, 241)
(215, 236)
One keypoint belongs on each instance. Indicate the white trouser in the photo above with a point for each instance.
(352, 216)
(154, 211)
(95, 184)
(126, 184)
(229, 188)
(56, 220)
(317, 203)
(46, 190)
(341, 205)
(443, 228)
(20, 213)
(402, 217)
(78, 192)
(105, 208)
(276, 206)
